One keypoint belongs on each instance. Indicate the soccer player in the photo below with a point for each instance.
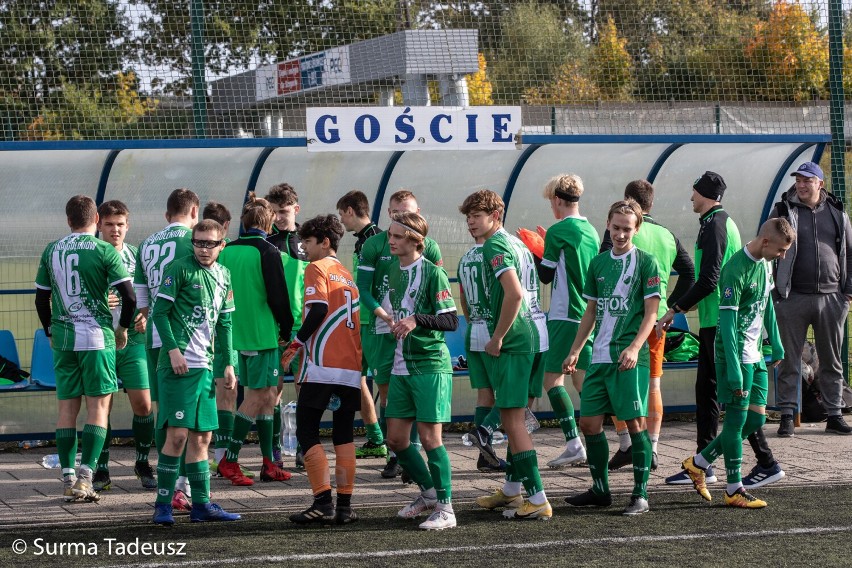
(379, 344)
(517, 333)
(194, 305)
(569, 246)
(226, 399)
(354, 211)
(155, 254)
(421, 385)
(131, 365)
(623, 293)
(745, 309)
(72, 282)
(262, 321)
(670, 254)
(330, 373)
(285, 235)
(476, 307)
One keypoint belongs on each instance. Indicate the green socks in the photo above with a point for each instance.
(93, 442)
(597, 452)
(264, 434)
(66, 447)
(143, 435)
(242, 425)
(412, 462)
(732, 441)
(439, 467)
(198, 475)
(563, 408)
(641, 443)
(525, 465)
(103, 459)
(167, 474)
(374, 433)
(226, 427)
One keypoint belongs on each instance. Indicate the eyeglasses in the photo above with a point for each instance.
(205, 244)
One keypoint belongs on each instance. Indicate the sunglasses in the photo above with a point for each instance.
(206, 244)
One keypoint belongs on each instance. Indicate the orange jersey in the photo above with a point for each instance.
(334, 350)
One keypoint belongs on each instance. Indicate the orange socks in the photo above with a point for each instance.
(344, 469)
(316, 466)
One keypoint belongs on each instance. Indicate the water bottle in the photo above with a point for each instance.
(530, 421)
(51, 461)
(27, 444)
(496, 438)
(333, 403)
(288, 429)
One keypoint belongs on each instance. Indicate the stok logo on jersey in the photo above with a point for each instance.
(616, 306)
(497, 260)
(443, 296)
(653, 281)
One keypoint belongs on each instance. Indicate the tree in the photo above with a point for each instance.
(48, 45)
(611, 65)
(536, 44)
(570, 85)
(478, 86)
(85, 112)
(789, 55)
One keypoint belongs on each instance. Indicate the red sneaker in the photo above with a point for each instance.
(232, 471)
(271, 472)
(180, 502)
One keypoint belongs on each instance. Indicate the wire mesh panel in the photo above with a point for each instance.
(130, 69)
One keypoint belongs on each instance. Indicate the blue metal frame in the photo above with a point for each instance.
(658, 165)
(673, 138)
(516, 173)
(255, 174)
(16, 291)
(383, 185)
(105, 171)
(156, 144)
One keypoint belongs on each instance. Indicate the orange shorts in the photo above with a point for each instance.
(656, 346)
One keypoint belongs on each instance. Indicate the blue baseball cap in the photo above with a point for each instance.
(809, 169)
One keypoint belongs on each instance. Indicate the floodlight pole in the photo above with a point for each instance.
(199, 85)
(838, 140)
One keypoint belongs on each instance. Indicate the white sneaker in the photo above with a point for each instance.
(439, 520)
(419, 505)
(569, 457)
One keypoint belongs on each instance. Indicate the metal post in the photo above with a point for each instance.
(199, 84)
(838, 140)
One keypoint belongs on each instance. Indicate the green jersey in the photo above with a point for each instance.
(155, 254)
(420, 288)
(620, 285)
(660, 243)
(745, 283)
(374, 266)
(528, 333)
(472, 270)
(194, 303)
(128, 258)
(569, 247)
(78, 270)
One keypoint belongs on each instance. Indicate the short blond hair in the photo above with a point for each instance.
(569, 185)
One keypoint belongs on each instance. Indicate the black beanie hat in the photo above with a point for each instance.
(710, 185)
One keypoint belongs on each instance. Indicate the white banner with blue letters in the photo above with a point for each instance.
(412, 128)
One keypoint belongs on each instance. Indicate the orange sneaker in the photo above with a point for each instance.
(271, 472)
(232, 471)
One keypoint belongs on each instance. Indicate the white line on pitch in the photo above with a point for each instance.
(354, 555)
